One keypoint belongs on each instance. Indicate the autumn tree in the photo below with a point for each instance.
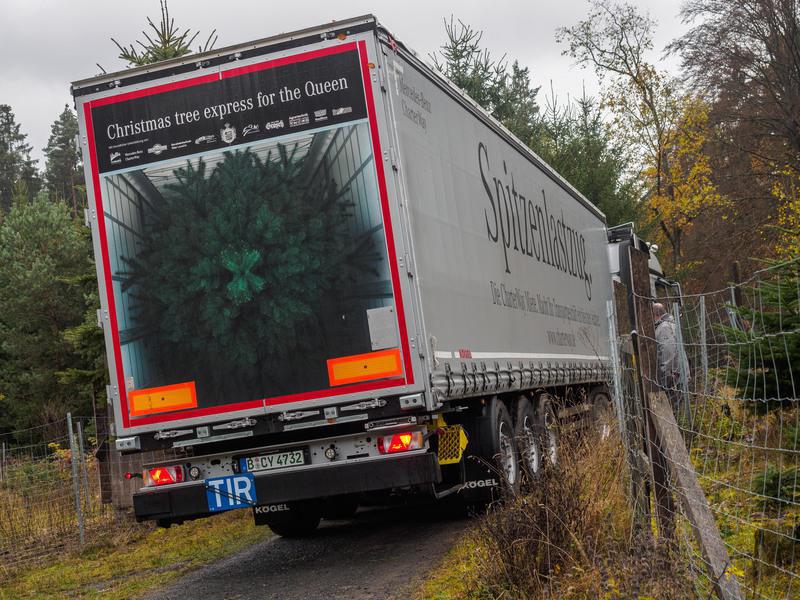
(744, 57)
(649, 111)
(687, 172)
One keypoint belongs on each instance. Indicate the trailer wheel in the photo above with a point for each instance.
(497, 444)
(547, 428)
(301, 521)
(529, 442)
(603, 412)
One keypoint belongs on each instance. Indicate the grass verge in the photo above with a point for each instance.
(570, 535)
(135, 559)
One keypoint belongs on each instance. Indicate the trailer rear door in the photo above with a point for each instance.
(243, 239)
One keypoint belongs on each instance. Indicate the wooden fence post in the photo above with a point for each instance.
(646, 353)
(693, 500)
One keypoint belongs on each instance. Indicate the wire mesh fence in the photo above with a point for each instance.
(728, 362)
(50, 498)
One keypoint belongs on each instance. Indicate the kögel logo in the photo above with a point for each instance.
(271, 508)
(482, 483)
(227, 134)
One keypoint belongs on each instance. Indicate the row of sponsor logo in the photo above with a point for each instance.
(229, 133)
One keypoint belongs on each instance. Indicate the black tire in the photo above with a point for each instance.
(528, 439)
(602, 412)
(497, 444)
(547, 428)
(301, 521)
(340, 507)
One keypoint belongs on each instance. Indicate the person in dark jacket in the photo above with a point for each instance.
(669, 355)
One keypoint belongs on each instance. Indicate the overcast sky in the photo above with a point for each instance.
(46, 44)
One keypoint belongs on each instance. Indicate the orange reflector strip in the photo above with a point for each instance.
(152, 401)
(365, 367)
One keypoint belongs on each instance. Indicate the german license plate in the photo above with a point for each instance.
(276, 460)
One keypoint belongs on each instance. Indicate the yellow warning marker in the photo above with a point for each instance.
(365, 367)
(163, 399)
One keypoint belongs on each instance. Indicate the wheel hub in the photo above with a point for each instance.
(508, 458)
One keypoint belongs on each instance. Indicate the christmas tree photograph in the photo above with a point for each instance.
(245, 270)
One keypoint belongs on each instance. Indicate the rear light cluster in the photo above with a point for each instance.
(400, 442)
(163, 475)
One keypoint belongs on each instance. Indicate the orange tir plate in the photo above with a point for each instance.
(365, 367)
(168, 398)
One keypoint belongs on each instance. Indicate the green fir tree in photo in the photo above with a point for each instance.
(235, 267)
(764, 343)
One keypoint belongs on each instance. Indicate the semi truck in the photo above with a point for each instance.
(327, 274)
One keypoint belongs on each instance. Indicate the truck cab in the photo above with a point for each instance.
(620, 238)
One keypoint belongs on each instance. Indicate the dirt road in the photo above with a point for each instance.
(379, 554)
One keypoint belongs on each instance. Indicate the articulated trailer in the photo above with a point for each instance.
(325, 272)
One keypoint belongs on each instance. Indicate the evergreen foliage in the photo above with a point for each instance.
(767, 340)
(580, 147)
(778, 487)
(45, 274)
(15, 160)
(508, 96)
(167, 42)
(63, 172)
(574, 139)
(234, 266)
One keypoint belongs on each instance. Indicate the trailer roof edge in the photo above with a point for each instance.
(212, 57)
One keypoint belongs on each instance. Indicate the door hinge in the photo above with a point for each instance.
(409, 270)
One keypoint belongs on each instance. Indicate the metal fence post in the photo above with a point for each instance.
(703, 347)
(75, 479)
(84, 470)
(682, 362)
(616, 371)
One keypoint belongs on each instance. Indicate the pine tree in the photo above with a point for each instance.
(574, 140)
(577, 143)
(234, 268)
(509, 97)
(15, 160)
(766, 342)
(169, 42)
(62, 172)
(43, 251)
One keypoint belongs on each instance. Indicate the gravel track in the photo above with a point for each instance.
(379, 554)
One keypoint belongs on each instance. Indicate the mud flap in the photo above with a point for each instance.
(262, 513)
(481, 480)
(482, 483)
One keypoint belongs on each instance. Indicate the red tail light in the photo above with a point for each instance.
(400, 442)
(163, 475)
